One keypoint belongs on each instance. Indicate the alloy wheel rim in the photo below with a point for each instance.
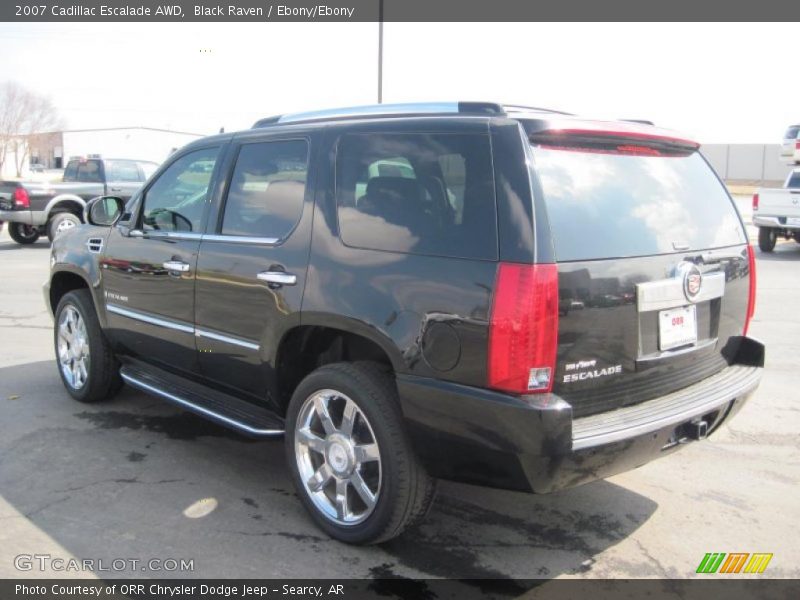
(64, 225)
(338, 457)
(73, 348)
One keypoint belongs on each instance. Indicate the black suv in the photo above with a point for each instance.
(506, 296)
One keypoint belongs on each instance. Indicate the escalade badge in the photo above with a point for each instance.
(692, 279)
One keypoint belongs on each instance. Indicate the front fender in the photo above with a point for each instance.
(69, 254)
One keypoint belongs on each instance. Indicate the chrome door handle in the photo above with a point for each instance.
(277, 277)
(176, 265)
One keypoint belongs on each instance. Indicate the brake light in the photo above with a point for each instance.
(751, 296)
(523, 328)
(755, 201)
(21, 198)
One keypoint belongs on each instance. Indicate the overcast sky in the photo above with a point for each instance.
(717, 82)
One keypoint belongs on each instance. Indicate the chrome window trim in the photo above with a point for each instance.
(239, 239)
(138, 316)
(197, 408)
(227, 339)
(668, 293)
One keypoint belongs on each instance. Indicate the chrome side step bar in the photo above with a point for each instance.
(226, 410)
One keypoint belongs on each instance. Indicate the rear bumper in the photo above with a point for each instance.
(533, 443)
(769, 221)
(27, 217)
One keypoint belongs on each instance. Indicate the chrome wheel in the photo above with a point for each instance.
(73, 348)
(64, 225)
(337, 457)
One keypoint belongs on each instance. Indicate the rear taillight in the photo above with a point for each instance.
(755, 201)
(751, 296)
(797, 145)
(523, 328)
(21, 198)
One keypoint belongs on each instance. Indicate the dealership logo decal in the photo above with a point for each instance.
(734, 562)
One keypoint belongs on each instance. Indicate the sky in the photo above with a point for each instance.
(717, 82)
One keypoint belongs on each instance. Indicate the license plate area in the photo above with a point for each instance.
(677, 327)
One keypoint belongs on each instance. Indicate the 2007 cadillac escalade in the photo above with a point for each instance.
(499, 295)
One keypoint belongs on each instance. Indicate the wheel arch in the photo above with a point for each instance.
(311, 345)
(65, 203)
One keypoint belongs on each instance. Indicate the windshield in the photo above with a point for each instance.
(607, 205)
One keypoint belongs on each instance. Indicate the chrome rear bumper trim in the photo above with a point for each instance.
(675, 408)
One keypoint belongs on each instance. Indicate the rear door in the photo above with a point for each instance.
(252, 263)
(653, 267)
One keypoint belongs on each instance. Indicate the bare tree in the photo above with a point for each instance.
(23, 114)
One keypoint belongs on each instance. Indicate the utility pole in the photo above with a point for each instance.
(380, 51)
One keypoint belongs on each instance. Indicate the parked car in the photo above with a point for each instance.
(36, 168)
(790, 148)
(776, 212)
(394, 337)
(36, 208)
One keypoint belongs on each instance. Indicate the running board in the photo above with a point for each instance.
(227, 410)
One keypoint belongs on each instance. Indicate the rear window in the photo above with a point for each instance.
(417, 193)
(604, 205)
(791, 133)
(89, 172)
(794, 180)
(71, 172)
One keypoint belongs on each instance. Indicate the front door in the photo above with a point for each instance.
(148, 268)
(252, 264)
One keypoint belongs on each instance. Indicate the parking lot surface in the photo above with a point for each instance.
(136, 478)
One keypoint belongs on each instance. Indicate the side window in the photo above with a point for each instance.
(177, 199)
(418, 193)
(71, 172)
(89, 172)
(122, 171)
(265, 197)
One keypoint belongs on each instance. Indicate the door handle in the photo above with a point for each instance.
(115, 189)
(277, 277)
(176, 265)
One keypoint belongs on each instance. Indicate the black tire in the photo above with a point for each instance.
(23, 234)
(767, 238)
(406, 492)
(796, 236)
(61, 221)
(102, 380)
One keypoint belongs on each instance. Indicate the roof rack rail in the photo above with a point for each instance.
(642, 121)
(354, 112)
(520, 108)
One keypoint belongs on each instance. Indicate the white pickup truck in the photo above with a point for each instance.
(776, 212)
(790, 149)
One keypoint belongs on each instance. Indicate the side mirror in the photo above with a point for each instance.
(103, 211)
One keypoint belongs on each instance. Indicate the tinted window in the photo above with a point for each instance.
(613, 205)
(419, 193)
(265, 197)
(122, 171)
(71, 172)
(176, 200)
(792, 132)
(89, 172)
(794, 180)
